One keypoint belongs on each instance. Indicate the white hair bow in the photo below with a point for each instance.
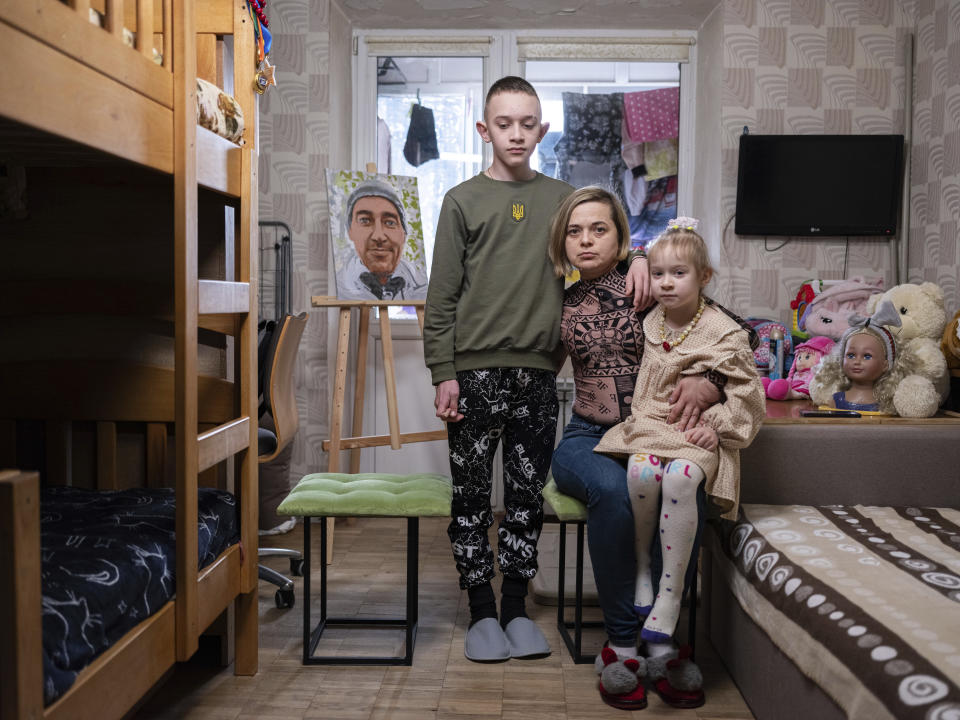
(683, 223)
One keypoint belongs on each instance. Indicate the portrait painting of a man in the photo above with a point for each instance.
(377, 236)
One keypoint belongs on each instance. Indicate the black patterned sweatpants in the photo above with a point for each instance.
(518, 406)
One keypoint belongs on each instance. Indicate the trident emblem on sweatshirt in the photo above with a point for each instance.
(518, 211)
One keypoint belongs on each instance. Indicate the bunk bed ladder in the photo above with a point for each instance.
(197, 301)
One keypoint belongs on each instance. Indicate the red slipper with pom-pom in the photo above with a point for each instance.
(682, 699)
(636, 699)
(620, 683)
(682, 686)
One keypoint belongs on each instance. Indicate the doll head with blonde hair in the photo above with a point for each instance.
(834, 373)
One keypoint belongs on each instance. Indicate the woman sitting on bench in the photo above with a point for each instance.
(603, 334)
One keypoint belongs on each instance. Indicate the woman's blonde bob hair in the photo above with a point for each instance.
(561, 219)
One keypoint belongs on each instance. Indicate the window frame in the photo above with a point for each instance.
(371, 44)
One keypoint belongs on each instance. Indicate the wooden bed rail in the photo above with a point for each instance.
(68, 30)
(148, 20)
(111, 87)
(213, 16)
(112, 391)
(21, 673)
(239, 434)
(140, 656)
(185, 319)
(98, 296)
(119, 462)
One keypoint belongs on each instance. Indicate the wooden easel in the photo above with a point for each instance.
(395, 439)
(356, 442)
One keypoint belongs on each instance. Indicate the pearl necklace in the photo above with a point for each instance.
(668, 345)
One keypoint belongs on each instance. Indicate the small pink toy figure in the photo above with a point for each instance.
(805, 359)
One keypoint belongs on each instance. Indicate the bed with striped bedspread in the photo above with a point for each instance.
(865, 601)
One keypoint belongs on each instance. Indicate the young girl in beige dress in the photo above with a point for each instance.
(684, 336)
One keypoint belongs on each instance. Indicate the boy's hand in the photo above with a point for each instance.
(692, 395)
(447, 401)
(703, 436)
(638, 284)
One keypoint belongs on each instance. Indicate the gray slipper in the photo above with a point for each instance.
(525, 638)
(485, 642)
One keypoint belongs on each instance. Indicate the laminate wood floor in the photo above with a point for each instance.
(367, 578)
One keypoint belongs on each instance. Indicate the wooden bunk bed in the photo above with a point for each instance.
(108, 131)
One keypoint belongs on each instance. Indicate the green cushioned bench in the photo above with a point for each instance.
(566, 508)
(324, 495)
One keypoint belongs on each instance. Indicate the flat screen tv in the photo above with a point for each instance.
(812, 185)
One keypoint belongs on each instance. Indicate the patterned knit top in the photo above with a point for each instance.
(603, 336)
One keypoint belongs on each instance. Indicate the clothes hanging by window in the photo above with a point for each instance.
(652, 114)
(659, 207)
(630, 151)
(661, 158)
(634, 191)
(547, 153)
(591, 127)
(588, 152)
(421, 144)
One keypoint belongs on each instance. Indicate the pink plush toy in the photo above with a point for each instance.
(828, 313)
(805, 359)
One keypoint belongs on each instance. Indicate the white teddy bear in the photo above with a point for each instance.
(923, 318)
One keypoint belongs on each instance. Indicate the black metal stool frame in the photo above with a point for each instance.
(311, 637)
(575, 643)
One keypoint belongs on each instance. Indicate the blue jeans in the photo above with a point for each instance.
(600, 482)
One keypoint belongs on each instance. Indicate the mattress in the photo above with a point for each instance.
(109, 562)
(864, 601)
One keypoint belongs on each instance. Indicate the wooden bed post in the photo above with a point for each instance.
(21, 648)
(59, 452)
(123, 104)
(186, 303)
(247, 255)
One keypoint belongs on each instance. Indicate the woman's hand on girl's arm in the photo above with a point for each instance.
(703, 436)
(739, 417)
(447, 401)
(638, 283)
(692, 395)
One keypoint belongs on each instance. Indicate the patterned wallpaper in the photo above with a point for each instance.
(294, 150)
(805, 66)
(935, 167)
(787, 66)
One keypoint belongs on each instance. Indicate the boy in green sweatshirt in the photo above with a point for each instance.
(491, 335)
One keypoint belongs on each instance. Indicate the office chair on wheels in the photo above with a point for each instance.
(279, 400)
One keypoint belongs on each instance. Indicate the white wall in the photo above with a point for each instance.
(707, 167)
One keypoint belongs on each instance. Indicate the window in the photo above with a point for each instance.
(452, 89)
(594, 154)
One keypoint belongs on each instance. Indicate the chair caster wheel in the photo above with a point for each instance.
(296, 567)
(284, 599)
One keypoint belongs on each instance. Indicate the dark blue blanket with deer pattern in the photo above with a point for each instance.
(108, 562)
